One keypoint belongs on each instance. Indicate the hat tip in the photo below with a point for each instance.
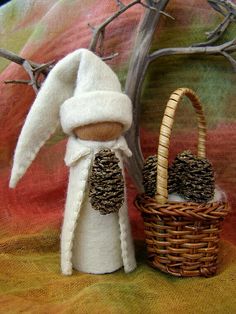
(13, 181)
(12, 184)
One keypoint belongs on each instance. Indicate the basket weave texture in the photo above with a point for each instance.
(182, 238)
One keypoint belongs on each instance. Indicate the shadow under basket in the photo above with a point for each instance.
(182, 238)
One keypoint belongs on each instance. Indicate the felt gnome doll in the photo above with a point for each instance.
(84, 95)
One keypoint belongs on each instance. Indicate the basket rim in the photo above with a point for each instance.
(187, 210)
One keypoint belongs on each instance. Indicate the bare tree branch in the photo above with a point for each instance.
(167, 15)
(150, 7)
(216, 33)
(230, 59)
(220, 29)
(110, 57)
(28, 68)
(98, 32)
(120, 4)
(11, 56)
(18, 82)
(224, 7)
(228, 9)
(139, 63)
(33, 69)
(91, 27)
(19, 60)
(134, 80)
(211, 50)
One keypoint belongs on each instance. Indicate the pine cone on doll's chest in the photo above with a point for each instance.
(106, 183)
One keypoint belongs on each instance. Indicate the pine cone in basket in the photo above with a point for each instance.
(150, 177)
(194, 177)
(189, 176)
(106, 183)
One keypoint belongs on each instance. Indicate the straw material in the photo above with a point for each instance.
(182, 238)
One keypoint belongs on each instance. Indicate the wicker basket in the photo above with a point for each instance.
(182, 238)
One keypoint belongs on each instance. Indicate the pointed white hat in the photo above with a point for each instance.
(81, 89)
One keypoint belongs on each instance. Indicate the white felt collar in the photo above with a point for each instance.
(77, 148)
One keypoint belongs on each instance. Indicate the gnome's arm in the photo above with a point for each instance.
(43, 117)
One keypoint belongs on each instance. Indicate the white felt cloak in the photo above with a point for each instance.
(97, 243)
(80, 90)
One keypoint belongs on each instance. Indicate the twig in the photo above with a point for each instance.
(101, 42)
(230, 59)
(120, 4)
(42, 67)
(151, 7)
(215, 50)
(223, 6)
(216, 33)
(91, 27)
(11, 56)
(33, 69)
(110, 57)
(19, 60)
(18, 82)
(167, 15)
(228, 9)
(229, 45)
(219, 30)
(28, 68)
(98, 31)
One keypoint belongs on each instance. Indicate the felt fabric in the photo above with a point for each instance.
(31, 215)
(96, 106)
(84, 90)
(91, 242)
(96, 97)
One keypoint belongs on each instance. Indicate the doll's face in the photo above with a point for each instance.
(102, 131)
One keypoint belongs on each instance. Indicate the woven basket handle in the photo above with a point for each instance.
(164, 138)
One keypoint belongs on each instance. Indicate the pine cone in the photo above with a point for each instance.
(176, 170)
(189, 176)
(173, 181)
(106, 183)
(150, 177)
(194, 177)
